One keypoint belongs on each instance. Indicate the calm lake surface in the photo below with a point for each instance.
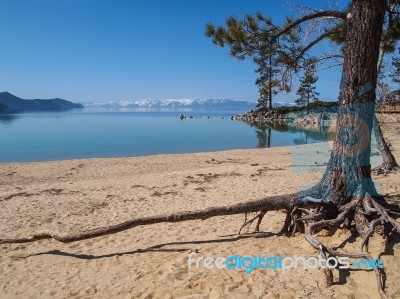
(88, 133)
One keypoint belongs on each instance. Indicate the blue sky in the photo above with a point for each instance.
(100, 50)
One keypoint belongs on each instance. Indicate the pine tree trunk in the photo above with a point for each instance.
(349, 172)
(389, 161)
(270, 79)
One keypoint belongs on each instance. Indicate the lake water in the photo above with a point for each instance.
(87, 133)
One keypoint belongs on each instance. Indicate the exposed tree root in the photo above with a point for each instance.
(325, 251)
(290, 225)
(267, 204)
(287, 223)
(247, 223)
(368, 234)
(385, 168)
(260, 218)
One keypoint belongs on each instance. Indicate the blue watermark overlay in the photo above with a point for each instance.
(356, 145)
(279, 262)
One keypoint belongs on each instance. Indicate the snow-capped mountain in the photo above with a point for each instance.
(219, 104)
(281, 104)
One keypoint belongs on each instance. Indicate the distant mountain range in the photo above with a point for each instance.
(203, 104)
(11, 103)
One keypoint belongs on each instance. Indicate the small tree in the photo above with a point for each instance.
(307, 91)
(263, 102)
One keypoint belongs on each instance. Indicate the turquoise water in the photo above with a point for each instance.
(103, 133)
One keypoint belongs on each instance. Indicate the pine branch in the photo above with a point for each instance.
(316, 41)
(326, 13)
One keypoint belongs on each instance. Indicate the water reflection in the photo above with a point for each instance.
(297, 135)
(311, 135)
(263, 132)
(8, 118)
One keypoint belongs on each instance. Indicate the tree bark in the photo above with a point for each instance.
(389, 161)
(349, 172)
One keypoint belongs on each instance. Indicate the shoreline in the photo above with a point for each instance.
(148, 156)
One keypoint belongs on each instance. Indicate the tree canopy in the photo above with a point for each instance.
(291, 44)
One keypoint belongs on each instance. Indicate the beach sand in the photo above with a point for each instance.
(70, 196)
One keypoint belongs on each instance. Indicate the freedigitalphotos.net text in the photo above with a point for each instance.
(250, 263)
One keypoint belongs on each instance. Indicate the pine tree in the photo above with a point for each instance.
(266, 82)
(265, 50)
(307, 91)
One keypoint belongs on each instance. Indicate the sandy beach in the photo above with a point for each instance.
(151, 261)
